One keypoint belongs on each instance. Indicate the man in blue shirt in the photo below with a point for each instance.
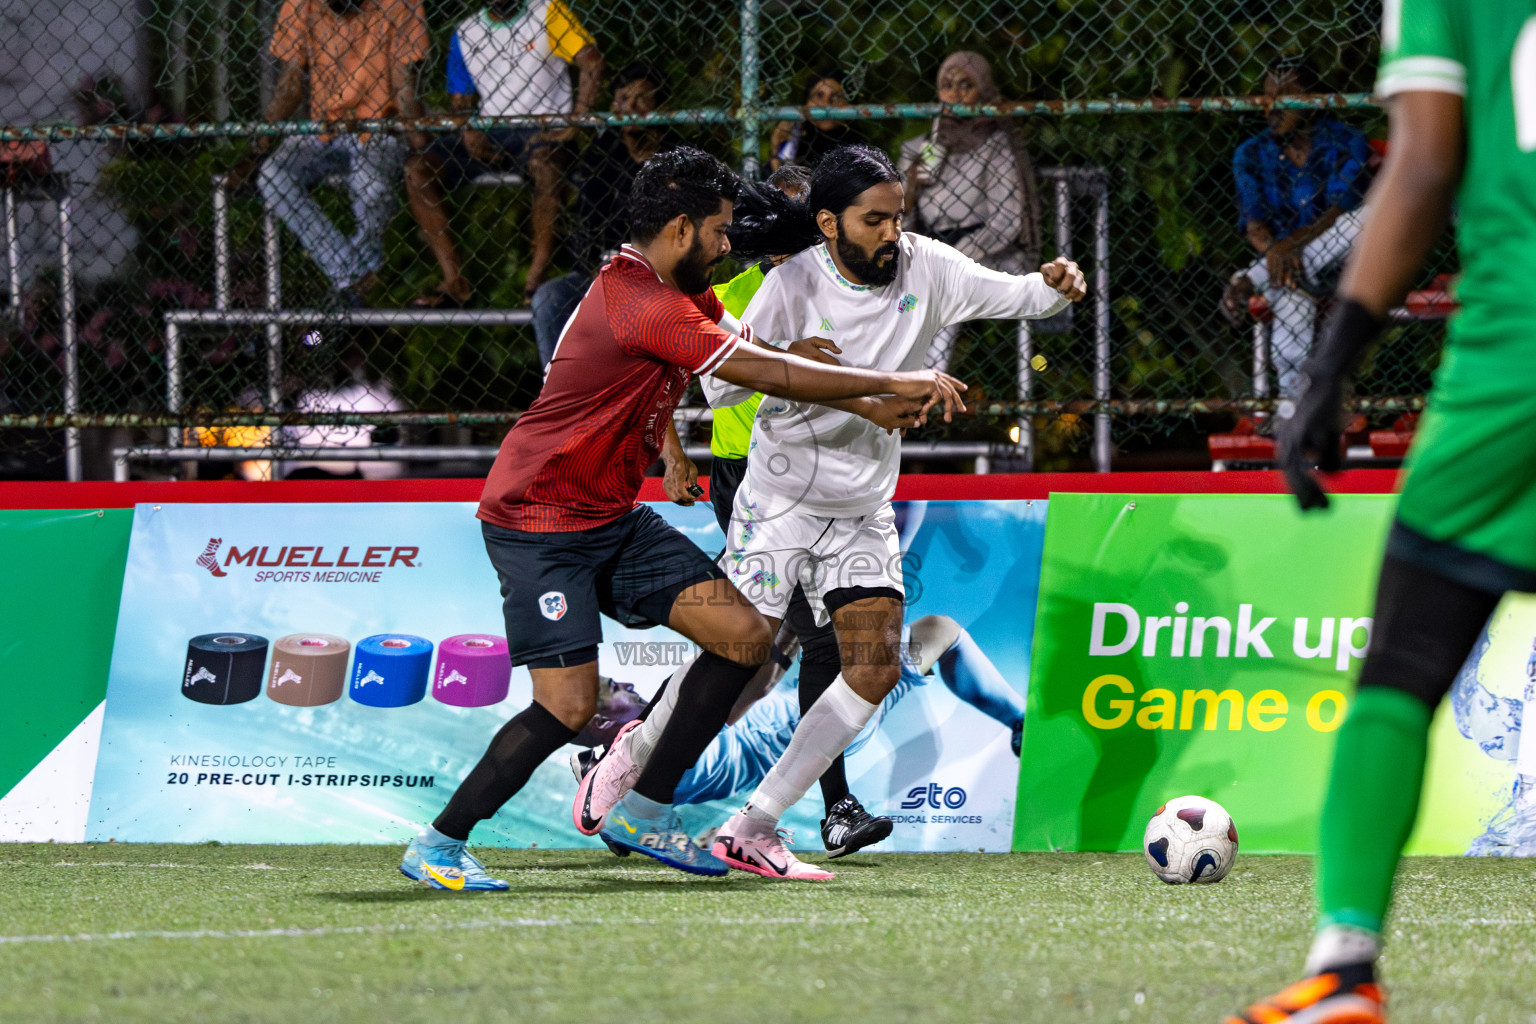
(1299, 191)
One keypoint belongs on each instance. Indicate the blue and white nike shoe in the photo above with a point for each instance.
(641, 825)
(442, 863)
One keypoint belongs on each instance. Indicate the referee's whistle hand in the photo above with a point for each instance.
(1064, 275)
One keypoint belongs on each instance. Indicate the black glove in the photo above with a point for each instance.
(1311, 422)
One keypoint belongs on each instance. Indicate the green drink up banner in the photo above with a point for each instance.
(1209, 644)
(1201, 644)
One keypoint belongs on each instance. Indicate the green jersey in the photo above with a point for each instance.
(732, 434)
(1471, 474)
(1484, 51)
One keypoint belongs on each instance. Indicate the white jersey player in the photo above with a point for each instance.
(815, 506)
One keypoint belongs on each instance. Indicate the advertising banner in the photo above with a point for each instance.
(1193, 644)
(1480, 786)
(328, 673)
(1208, 645)
(63, 570)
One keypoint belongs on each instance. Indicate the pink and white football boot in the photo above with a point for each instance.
(605, 783)
(749, 845)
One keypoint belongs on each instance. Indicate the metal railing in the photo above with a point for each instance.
(1138, 189)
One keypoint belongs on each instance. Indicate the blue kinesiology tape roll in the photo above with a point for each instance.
(391, 670)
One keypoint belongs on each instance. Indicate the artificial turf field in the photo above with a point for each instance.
(332, 933)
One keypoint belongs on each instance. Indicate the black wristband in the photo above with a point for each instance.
(1349, 329)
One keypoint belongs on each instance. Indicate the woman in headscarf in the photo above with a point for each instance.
(806, 142)
(970, 183)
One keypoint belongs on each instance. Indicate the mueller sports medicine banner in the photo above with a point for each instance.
(328, 673)
(1209, 644)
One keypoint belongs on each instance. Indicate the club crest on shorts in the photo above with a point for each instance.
(552, 605)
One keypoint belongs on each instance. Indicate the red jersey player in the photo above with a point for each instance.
(569, 543)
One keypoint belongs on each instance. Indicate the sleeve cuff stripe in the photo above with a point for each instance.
(1445, 65)
(1436, 74)
(719, 356)
(1391, 86)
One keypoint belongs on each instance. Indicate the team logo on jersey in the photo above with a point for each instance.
(826, 324)
(552, 605)
(908, 301)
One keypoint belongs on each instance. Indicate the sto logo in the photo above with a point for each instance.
(552, 605)
(935, 796)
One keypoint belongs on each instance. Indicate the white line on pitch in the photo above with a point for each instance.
(492, 925)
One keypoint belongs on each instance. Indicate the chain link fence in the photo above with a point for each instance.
(236, 233)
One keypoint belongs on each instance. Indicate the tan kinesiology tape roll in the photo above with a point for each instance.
(308, 669)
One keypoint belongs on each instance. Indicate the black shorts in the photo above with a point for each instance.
(725, 476)
(513, 145)
(554, 586)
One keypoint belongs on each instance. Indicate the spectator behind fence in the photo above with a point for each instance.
(515, 56)
(806, 142)
(354, 389)
(603, 175)
(353, 58)
(970, 183)
(1299, 191)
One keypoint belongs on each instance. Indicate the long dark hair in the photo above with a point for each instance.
(766, 222)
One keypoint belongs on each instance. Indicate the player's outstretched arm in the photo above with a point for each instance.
(786, 376)
(1066, 277)
(1410, 204)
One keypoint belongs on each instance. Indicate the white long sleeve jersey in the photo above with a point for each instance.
(826, 462)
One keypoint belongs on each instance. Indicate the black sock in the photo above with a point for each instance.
(704, 701)
(519, 747)
(815, 677)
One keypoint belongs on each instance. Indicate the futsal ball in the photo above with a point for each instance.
(1190, 839)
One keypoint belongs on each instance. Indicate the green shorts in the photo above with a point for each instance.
(1470, 480)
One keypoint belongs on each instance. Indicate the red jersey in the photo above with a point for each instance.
(575, 459)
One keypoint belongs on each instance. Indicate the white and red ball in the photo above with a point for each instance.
(1190, 840)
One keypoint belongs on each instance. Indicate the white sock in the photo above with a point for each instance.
(644, 739)
(1339, 945)
(832, 723)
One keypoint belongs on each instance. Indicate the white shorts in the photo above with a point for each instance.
(767, 557)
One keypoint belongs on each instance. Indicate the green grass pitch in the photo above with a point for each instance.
(291, 933)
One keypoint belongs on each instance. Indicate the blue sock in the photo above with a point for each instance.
(967, 671)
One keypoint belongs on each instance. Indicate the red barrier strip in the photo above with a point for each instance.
(937, 487)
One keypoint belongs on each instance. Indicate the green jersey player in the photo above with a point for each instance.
(1460, 76)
